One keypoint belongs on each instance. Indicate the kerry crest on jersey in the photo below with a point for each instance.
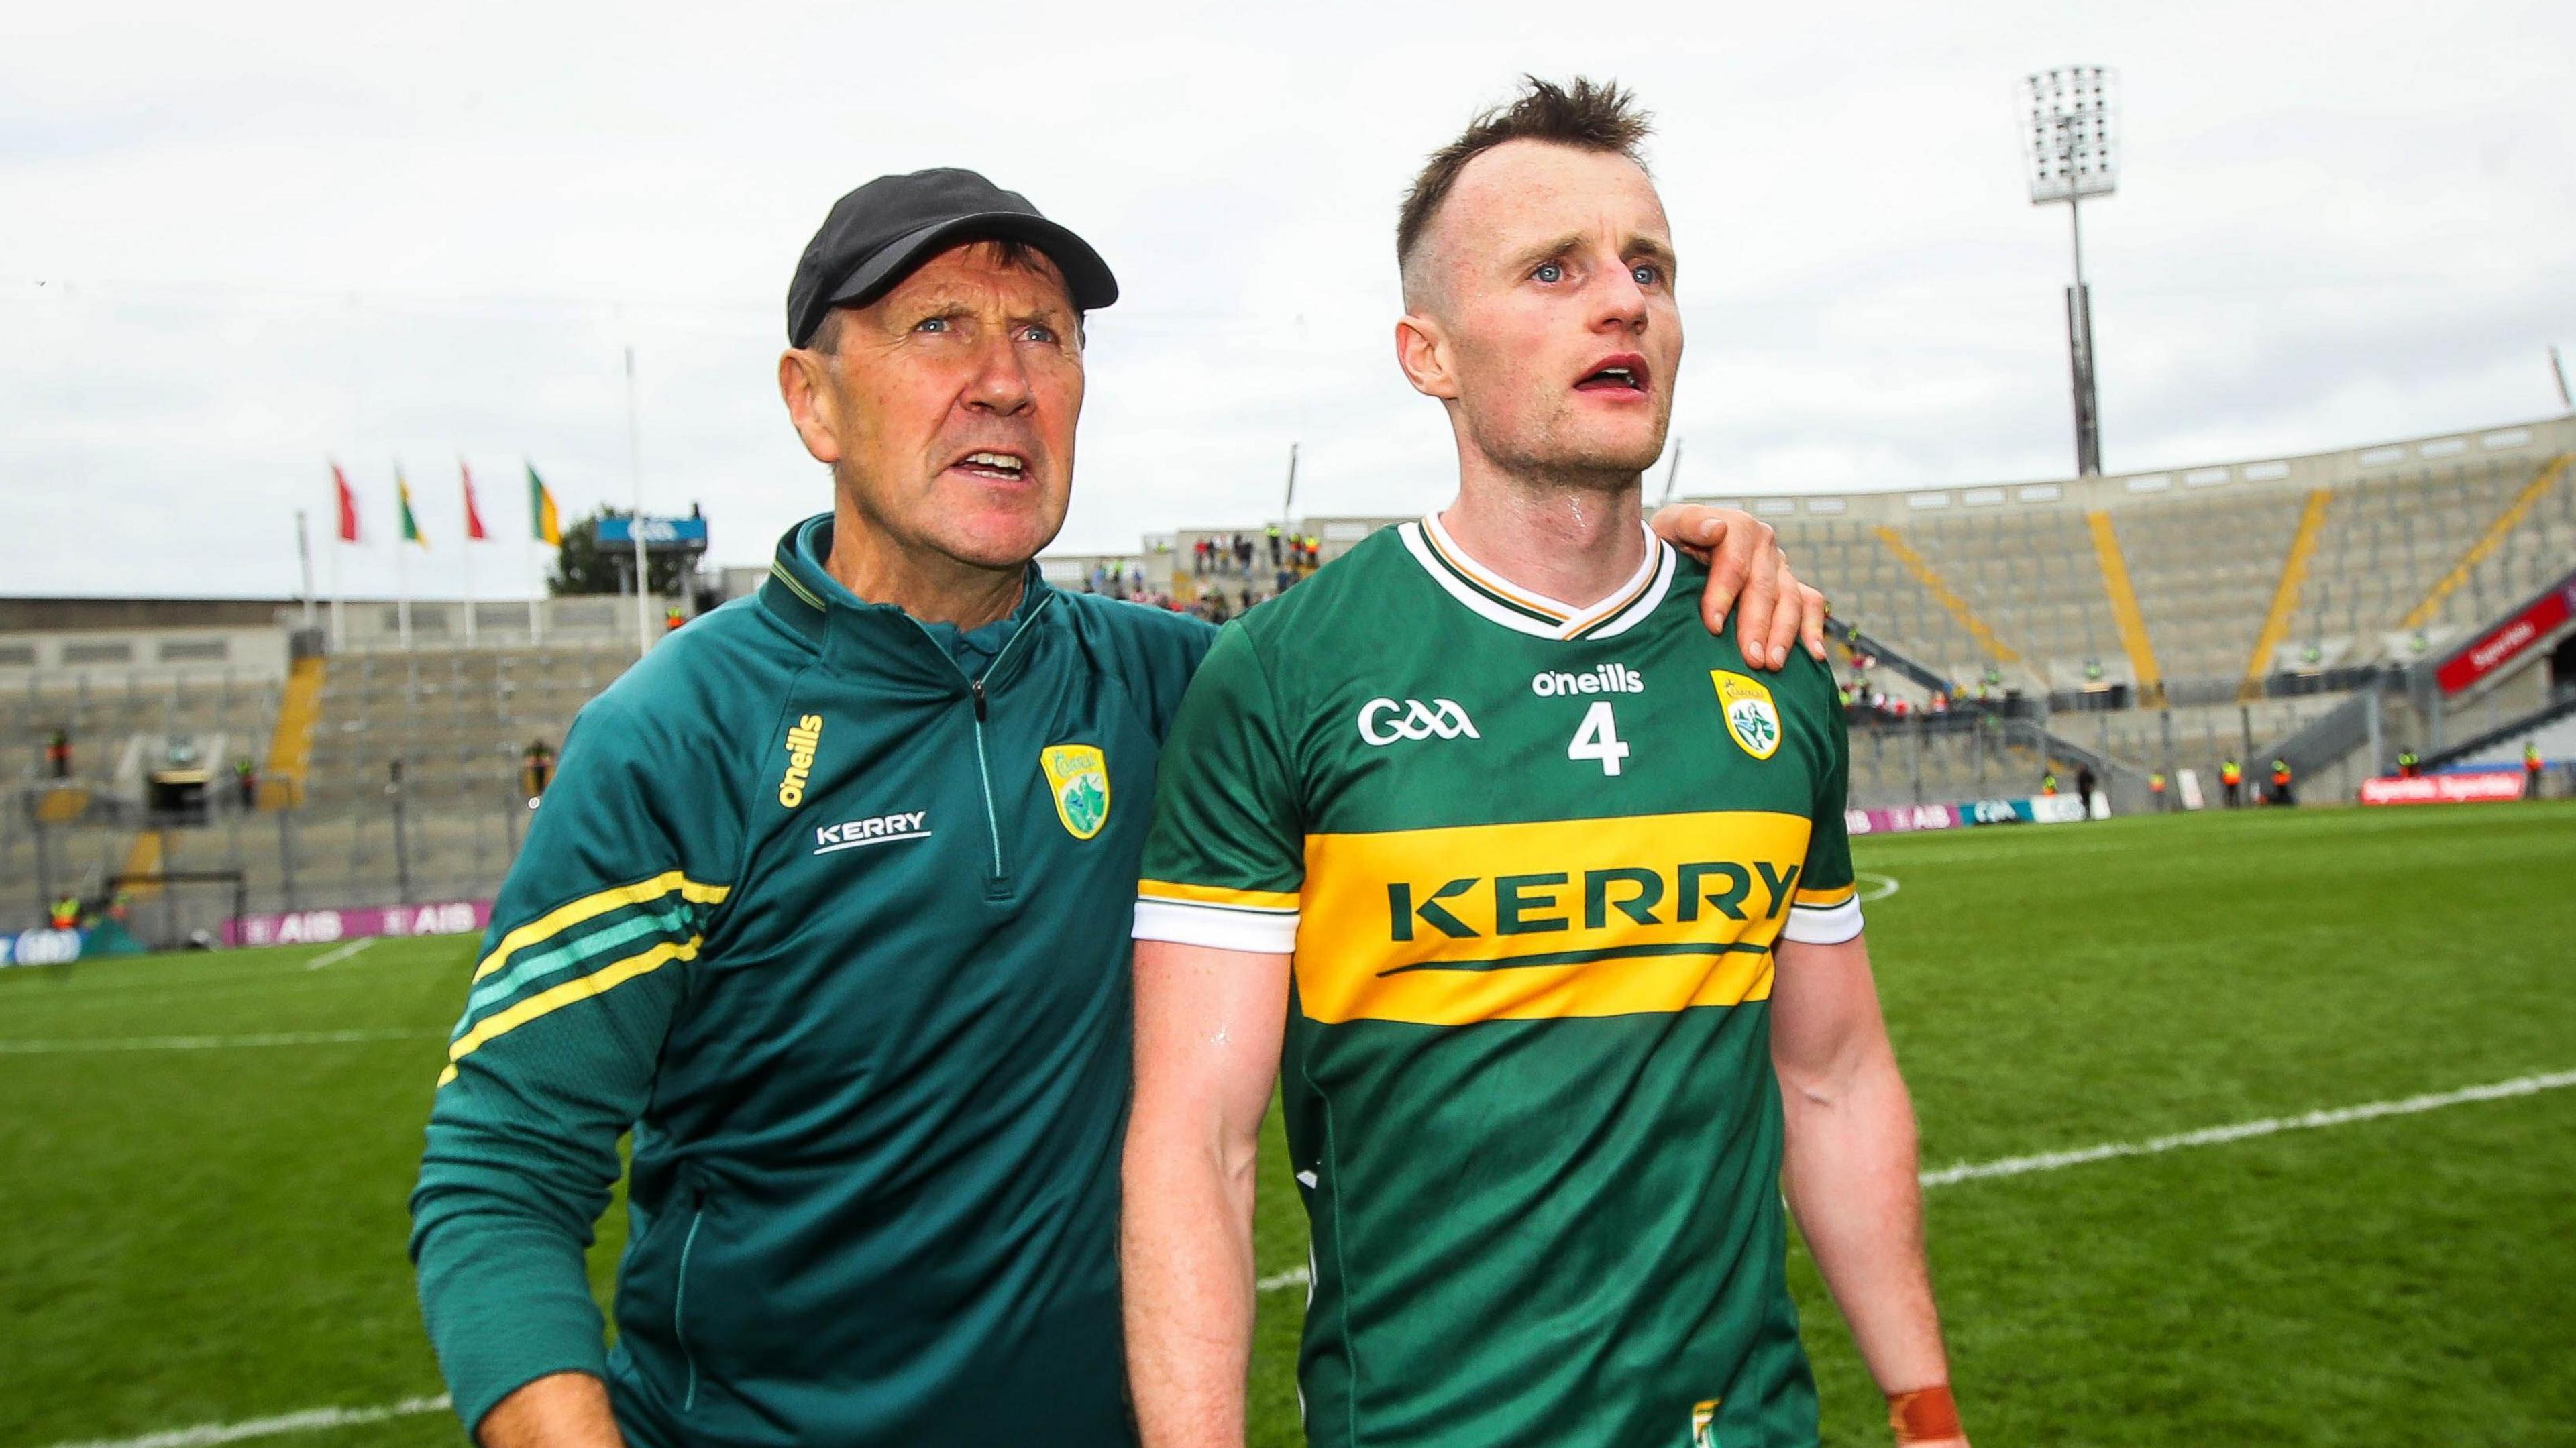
(1078, 776)
(1750, 715)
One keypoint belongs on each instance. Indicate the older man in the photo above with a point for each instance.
(828, 906)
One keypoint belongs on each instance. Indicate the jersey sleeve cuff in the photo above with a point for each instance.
(1259, 922)
(1823, 924)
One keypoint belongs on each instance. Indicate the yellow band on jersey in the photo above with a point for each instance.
(1548, 920)
(1175, 892)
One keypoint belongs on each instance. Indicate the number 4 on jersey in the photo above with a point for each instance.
(1598, 738)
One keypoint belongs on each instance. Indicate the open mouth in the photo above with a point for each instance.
(1615, 374)
(1000, 466)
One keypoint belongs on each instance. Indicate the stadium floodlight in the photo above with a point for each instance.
(2070, 138)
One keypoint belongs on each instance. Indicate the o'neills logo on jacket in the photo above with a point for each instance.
(801, 744)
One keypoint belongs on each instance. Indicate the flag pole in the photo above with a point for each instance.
(465, 548)
(528, 570)
(304, 564)
(402, 561)
(342, 510)
(635, 530)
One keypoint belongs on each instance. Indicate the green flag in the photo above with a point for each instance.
(410, 525)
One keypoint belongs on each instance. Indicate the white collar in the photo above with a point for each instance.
(1501, 601)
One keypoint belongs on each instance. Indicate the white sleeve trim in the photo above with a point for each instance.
(1831, 925)
(1263, 932)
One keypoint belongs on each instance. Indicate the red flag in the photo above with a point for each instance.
(473, 518)
(348, 505)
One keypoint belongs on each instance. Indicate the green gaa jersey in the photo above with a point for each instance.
(1531, 862)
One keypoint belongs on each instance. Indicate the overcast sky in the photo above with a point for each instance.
(239, 241)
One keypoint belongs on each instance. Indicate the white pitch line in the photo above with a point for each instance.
(1891, 882)
(2243, 1130)
(310, 1420)
(2206, 1136)
(334, 957)
(204, 1043)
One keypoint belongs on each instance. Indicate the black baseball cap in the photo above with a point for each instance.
(876, 235)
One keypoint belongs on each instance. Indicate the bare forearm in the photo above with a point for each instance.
(1850, 1168)
(1186, 1260)
(560, 1410)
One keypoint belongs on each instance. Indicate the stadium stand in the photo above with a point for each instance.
(2189, 616)
(2310, 608)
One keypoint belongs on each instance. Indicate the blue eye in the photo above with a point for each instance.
(1036, 333)
(932, 324)
(1646, 275)
(1549, 272)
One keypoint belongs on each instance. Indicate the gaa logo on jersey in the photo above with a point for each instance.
(1703, 1424)
(1750, 715)
(1077, 777)
(1384, 721)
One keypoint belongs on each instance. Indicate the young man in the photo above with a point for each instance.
(1547, 900)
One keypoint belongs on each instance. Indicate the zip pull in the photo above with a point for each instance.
(976, 688)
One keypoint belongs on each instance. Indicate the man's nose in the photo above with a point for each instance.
(1620, 302)
(1001, 383)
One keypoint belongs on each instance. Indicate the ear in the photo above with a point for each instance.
(1422, 350)
(805, 385)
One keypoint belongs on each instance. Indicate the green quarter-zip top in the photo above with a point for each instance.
(839, 931)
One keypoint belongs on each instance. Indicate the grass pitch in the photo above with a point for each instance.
(214, 1233)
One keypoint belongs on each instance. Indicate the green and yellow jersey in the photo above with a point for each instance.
(1531, 862)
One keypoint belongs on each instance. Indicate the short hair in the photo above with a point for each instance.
(1011, 252)
(1586, 114)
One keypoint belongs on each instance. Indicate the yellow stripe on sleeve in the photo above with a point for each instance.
(1172, 890)
(589, 907)
(1825, 899)
(597, 983)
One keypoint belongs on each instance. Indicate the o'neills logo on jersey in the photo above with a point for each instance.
(802, 741)
(1607, 679)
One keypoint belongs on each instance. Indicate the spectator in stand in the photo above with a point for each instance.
(58, 754)
(2532, 764)
(1247, 596)
(1940, 701)
(537, 765)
